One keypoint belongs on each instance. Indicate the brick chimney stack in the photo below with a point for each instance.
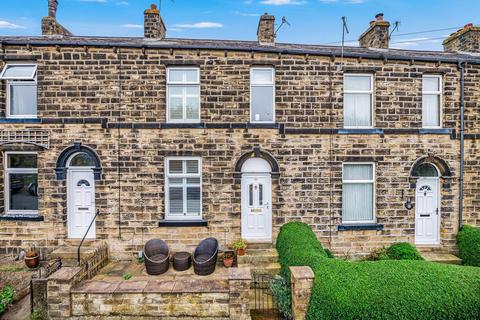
(154, 28)
(466, 39)
(266, 30)
(50, 25)
(377, 35)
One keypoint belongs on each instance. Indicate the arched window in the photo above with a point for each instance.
(425, 170)
(82, 160)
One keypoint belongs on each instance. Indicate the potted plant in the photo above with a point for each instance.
(31, 259)
(240, 245)
(228, 256)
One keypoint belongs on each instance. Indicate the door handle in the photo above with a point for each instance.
(436, 210)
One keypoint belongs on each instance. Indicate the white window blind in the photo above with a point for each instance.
(431, 101)
(357, 105)
(183, 188)
(358, 193)
(183, 94)
(262, 95)
(21, 90)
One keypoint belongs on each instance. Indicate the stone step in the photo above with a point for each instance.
(260, 245)
(447, 258)
(271, 268)
(69, 254)
(257, 259)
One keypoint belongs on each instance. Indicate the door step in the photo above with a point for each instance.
(261, 259)
(69, 253)
(437, 257)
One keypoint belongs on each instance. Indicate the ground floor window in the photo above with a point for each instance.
(183, 188)
(358, 193)
(21, 183)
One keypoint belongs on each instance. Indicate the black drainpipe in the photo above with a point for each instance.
(461, 66)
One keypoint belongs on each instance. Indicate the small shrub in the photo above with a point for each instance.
(468, 241)
(6, 297)
(403, 251)
(378, 254)
(38, 315)
(283, 295)
(127, 276)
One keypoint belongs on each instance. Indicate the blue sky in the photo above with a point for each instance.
(312, 21)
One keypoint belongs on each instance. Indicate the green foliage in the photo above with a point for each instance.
(283, 295)
(403, 289)
(6, 297)
(329, 253)
(239, 244)
(468, 241)
(397, 251)
(403, 251)
(127, 276)
(38, 315)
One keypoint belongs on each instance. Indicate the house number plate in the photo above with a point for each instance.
(255, 210)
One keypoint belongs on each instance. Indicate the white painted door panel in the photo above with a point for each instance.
(427, 212)
(81, 203)
(256, 207)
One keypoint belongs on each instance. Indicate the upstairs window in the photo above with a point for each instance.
(183, 188)
(183, 95)
(357, 105)
(262, 95)
(432, 101)
(21, 90)
(358, 193)
(21, 183)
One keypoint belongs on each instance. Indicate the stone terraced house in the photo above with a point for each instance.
(182, 139)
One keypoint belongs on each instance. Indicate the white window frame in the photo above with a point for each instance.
(182, 175)
(440, 94)
(374, 193)
(7, 172)
(25, 81)
(263, 84)
(371, 92)
(184, 84)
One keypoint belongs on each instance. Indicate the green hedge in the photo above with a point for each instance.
(469, 245)
(403, 289)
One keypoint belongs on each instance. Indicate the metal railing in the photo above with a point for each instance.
(265, 306)
(85, 235)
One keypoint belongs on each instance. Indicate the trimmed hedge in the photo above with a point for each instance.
(403, 251)
(388, 289)
(468, 241)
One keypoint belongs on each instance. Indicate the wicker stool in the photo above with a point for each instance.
(181, 261)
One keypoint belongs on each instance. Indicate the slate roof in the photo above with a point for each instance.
(249, 46)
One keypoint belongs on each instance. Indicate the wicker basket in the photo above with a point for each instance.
(182, 261)
(205, 257)
(156, 254)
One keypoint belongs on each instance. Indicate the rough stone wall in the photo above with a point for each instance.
(467, 40)
(377, 36)
(266, 29)
(153, 24)
(78, 85)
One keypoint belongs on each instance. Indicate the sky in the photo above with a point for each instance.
(311, 21)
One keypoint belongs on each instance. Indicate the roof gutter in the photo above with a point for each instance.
(461, 67)
(253, 48)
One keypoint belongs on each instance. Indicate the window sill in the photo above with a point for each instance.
(435, 131)
(182, 125)
(21, 217)
(183, 223)
(259, 125)
(20, 120)
(367, 226)
(360, 131)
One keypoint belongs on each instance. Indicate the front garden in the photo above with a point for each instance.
(384, 289)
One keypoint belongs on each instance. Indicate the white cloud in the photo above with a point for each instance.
(245, 14)
(8, 25)
(122, 3)
(282, 2)
(199, 25)
(99, 1)
(133, 26)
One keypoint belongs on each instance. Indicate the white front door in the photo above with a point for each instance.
(427, 212)
(257, 207)
(81, 203)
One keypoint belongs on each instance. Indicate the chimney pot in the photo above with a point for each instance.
(153, 28)
(379, 16)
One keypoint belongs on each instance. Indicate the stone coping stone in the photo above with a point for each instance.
(302, 272)
(153, 286)
(65, 274)
(242, 273)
